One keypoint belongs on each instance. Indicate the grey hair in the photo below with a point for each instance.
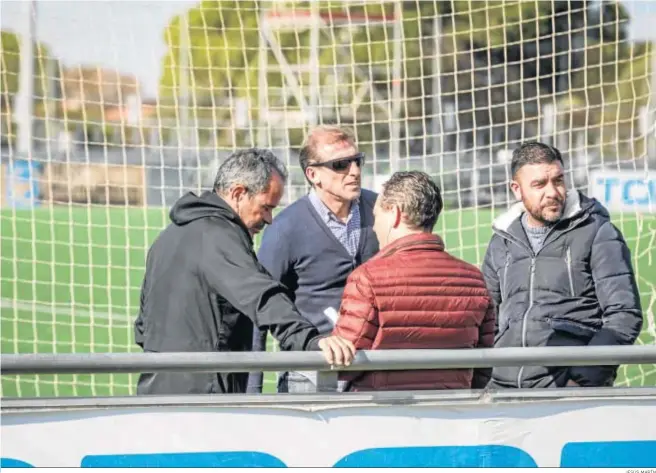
(253, 168)
(418, 197)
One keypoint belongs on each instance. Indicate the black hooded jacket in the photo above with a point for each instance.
(204, 291)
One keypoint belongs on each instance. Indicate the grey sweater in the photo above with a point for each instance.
(536, 235)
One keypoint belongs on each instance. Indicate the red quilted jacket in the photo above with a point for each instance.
(413, 294)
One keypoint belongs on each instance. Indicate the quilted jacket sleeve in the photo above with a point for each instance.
(494, 249)
(619, 299)
(358, 316)
(485, 340)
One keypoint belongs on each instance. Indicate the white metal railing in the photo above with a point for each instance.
(40, 363)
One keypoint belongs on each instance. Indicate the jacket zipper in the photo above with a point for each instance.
(505, 276)
(510, 237)
(524, 324)
(529, 250)
(568, 260)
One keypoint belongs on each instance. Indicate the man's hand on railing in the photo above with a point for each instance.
(338, 351)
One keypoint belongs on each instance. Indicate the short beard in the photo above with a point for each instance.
(539, 217)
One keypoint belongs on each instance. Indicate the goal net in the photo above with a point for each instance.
(94, 153)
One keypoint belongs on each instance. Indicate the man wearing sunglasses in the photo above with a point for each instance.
(316, 242)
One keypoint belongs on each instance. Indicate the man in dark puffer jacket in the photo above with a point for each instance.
(559, 273)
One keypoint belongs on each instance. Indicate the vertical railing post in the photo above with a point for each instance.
(326, 381)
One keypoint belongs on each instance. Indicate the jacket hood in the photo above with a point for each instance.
(576, 204)
(192, 207)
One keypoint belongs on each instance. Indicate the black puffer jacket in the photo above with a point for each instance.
(579, 289)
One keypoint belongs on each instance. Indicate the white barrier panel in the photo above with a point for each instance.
(624, 191)
(605, 431)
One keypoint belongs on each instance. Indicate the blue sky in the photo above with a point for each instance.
(128, 35)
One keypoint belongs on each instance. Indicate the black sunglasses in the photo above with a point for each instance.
(341, 164)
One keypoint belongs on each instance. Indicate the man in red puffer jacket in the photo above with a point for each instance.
(413, 294)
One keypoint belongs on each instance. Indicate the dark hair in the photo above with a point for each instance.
(418, 197)
(324, 134)
(253, 168)
(533, 152)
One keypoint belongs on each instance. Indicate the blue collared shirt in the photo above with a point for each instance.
(348, 234)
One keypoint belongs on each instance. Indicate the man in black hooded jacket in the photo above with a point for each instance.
(204, 290)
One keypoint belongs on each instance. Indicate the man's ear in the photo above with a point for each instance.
(397, 216)
(237, 192)
(312, 175)
(516, 190)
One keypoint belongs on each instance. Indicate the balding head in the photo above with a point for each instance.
(332, 164)
(323, 135)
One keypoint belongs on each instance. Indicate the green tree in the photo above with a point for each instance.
(223, 39)
(10, 78)
(500, 62)
(503, 60)
(10, 66)
(619, 120)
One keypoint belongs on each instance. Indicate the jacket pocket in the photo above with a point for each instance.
(225, 317)
(568, 262)
(234, 330)
(573, 328)
(503, 327)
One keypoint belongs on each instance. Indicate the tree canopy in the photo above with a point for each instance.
(10, 67)
(500, 62)
(10, 79)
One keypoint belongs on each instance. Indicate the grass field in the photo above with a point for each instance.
(70, 277)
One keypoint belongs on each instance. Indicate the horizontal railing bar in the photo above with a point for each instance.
(313, 401)
(241, 362)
